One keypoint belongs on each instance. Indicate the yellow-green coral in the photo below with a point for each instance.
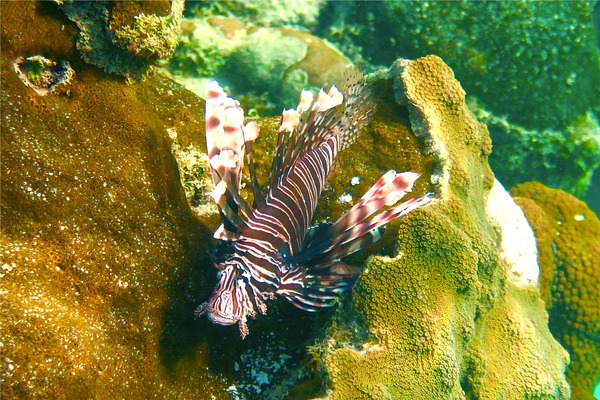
(568, 237)
(444, 316)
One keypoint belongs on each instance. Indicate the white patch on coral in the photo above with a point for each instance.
(519, 248)
(355, 180)
(345, 198)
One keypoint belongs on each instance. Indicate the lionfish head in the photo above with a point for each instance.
(231, 301)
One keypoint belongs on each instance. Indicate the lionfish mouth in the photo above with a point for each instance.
(271, 248)
(219, 318)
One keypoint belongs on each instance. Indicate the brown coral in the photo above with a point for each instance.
(96, 232)
(568, 238)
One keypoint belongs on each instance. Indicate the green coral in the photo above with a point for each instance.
(521, 60)
(150, 37)
(565, 159)
(121, 38)
(568, 237)
(265, 66)
(445, 317)
(260, 62)
(262, 12)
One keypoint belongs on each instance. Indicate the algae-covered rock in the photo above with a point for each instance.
(96, 233)
(446, 316)
(125, 37)
(568, 239)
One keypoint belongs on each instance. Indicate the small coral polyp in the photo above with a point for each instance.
(271, 249)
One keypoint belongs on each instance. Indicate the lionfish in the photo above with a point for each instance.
(270, 248)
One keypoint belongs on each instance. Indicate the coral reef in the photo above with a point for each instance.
(126, 37)
(268, 65)
(568, 240)
(103, 262)
(445, 317)
(566, 159)
(521, 60)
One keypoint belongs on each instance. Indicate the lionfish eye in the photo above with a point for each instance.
(284, 253)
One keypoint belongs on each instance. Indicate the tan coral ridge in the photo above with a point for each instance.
(446, 317)
(568, 239)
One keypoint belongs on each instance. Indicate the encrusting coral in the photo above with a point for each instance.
(100, 253)
(568, 241)
(445, 316)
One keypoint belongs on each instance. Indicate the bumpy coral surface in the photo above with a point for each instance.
(568, 237)
(96, 233)
(444, 317)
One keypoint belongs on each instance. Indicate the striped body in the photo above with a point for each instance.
(272, 249)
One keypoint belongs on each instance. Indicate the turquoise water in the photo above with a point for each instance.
(597, 393)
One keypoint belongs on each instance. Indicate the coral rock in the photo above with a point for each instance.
(101, 262)
(568, 239)
(443, 317)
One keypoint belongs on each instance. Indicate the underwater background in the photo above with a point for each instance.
(106, 216)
